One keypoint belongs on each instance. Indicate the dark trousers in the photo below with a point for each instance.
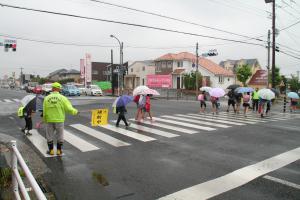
(255, 104)
(28, 123)
(121, 117)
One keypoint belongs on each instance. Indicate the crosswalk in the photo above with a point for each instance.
(9, 100)
(86, 139)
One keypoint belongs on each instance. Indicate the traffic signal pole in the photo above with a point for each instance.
(273, 44)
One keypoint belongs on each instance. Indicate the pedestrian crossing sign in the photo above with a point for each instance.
(99, 117)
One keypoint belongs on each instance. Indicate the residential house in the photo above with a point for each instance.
(232, 65)
(61, 74)
(179, 64)
(137, 73)
(259, 79)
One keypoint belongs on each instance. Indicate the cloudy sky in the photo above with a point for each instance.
(250, 18)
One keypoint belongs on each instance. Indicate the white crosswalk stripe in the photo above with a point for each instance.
(165, 126)
(17, 100)
(8, 100)
(216, 120)
(232, 119)
(100, 136)
(79, 143)
(128, 133)
(184, 124)
(251, 118)
(151, 130)
(182, 118)
(243, 119)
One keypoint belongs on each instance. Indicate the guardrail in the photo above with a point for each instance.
(17, 181)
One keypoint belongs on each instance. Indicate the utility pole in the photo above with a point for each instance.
(268, 66)
(112, 73)
(197, 65)
(122, 69)
(21, 77)
(273, 45)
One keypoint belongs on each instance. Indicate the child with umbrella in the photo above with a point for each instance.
(121, 103)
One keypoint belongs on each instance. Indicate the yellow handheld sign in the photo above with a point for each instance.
(99, 117)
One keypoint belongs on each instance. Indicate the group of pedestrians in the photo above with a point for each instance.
(143, 106)
(55, 107)
(214, 102)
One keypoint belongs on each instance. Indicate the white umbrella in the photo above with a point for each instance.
(27, 99)
(266, 94)
(139, 90)
(149, 91)
(205, 89)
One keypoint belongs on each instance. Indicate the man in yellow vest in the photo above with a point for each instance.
(55, 107)
(255, 99)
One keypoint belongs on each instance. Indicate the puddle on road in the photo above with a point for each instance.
(100, 178)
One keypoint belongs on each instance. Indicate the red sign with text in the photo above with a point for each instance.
(159, 81)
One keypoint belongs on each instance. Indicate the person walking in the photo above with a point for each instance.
(55, 106)
(202, 99)
(138, 111)
(238, 98)
(28, 113)
(246, 102)
(231, 101)
(141, 109)
(214, 104)
(255, 99)
(121, 111)
(293, 105)
(147, 108)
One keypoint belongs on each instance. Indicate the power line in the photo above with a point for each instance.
(290, 55)
(290, 26)
(172, 18)
(128, 24)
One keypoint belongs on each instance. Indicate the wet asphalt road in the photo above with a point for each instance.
(150, 170)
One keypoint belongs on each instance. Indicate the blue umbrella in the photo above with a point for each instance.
(293, 95)
(243, 89)
(124, 100)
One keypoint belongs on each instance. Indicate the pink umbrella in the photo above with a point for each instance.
(150, 91)
(217, 92)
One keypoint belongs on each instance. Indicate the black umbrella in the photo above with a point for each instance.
(233, 86)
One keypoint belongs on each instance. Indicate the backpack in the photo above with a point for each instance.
(201, 97)
(21, 112)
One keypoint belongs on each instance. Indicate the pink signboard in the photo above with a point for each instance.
(159, 81)
(82, 67)
(88, 68)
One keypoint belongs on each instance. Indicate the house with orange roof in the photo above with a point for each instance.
(179, 64)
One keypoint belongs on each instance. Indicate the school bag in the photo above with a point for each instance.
(200, 97)
(21, 112)
(136, 98)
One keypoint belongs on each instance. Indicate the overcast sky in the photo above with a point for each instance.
(249, 18)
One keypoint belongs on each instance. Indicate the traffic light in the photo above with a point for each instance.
(12, 46)
(212, 52)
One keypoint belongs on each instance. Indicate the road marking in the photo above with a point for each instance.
(8, 100)
(151, 130)
(99, 135)
(154, 123)
(232, 119)
(40, 143)
(202, 117)
(183, 118)
(290, 184)
(235, 179)
(184, 124)
(242, 117)
(16, 100)
(128, 133)
(78, 142)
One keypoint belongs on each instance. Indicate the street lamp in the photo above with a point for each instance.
(121, 62)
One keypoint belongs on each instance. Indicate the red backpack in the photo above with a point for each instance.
(136, 98)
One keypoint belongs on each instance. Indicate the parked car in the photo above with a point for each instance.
(6, 86)
(47, 88)
(30, 86)
(37, 89)
(93, 90)
(70, 90)
(81, 88)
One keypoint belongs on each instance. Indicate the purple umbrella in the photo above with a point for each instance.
(217, 92)
(124, 100)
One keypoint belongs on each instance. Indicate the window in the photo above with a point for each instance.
(131, 69)
(143, 81)
(95, 72)
(169, 64)
(143, 68)
(179, 64)
(221, 79)
(164, 65)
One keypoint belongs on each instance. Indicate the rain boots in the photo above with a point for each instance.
(50, 146)
(59, 148)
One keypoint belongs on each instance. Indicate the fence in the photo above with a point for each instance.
(17, 181)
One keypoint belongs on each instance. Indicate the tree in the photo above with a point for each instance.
(243, 73)
(278, 77)
(294, 84)
(189, 80)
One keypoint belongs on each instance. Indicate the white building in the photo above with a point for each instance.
(137, 73)
(185, 62)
